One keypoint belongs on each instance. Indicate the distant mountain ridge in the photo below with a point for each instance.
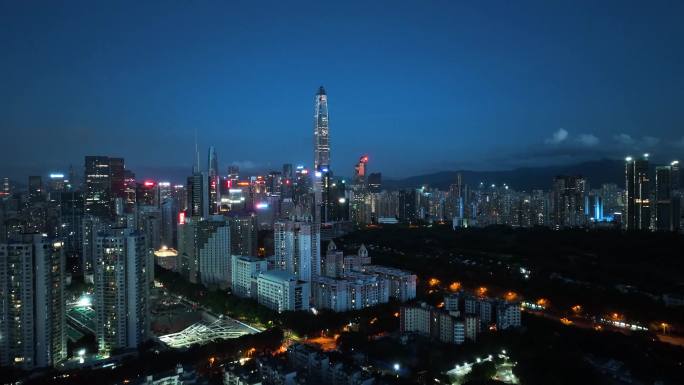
(596, 172)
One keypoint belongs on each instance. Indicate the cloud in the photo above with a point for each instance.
(624, 139)
(679, 143)
(558, 137)
(588, 140)
(650, 141)
(245, 164)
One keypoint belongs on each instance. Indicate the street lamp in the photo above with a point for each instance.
(664, 326)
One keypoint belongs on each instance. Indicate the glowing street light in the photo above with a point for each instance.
(455, 286)
(665, 326)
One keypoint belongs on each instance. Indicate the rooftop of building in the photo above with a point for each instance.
(278, 275)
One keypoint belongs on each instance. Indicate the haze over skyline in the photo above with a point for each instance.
(455, 86)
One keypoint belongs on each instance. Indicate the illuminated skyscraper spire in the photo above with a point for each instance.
(321, 139)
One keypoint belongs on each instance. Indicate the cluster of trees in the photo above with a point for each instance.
(218, 301)
(597, 260)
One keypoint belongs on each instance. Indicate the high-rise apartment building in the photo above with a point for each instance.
(297, 248)
(244, 271)
(282, 291)
(32, 317)
(213, 251)
(121, 289)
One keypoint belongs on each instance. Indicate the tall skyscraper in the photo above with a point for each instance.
(35, 185)
(98, 186)
(375, 182)
(321, 138)
(243, 233)
(32, 318)
(121, 289)
(118, 177)
(667, 208)
(637, 184)
(567, 201)
(676, 176)
(360, 171)
(214, 182)
(297, 248)
(198, 194)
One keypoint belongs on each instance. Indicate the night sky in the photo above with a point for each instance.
(420, 86)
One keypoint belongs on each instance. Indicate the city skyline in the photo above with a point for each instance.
(383, 193)
(579, 85)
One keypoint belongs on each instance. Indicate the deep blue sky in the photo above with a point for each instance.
(420, 86)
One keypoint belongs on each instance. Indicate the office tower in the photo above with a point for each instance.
(244, 273)
(6, 187)
(321, 151)
(407, 206)
(169, 222)
(147, 193)
(297, 248)
(198, 195)
(73, 183)
(165, 191)
(282, 291)
(35, 188)
(375, 182)
(213, 251)
(214, 182)
(243, 233)
(667, 210)
(98, 186)
(121, 289)
(328, 197)
(676, 176)
(57, 183)
(567, 201)
(360, 170)
(130, 191)
(118, 177)
(612, 197)
(637, 184)
(233, 175)
(32, 318)
(321, 138)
